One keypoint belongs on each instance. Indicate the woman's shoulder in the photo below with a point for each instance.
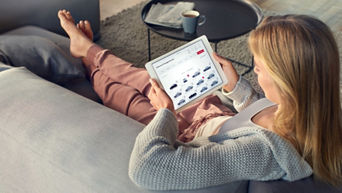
(282, 150)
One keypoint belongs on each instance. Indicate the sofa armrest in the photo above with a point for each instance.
(53, 140)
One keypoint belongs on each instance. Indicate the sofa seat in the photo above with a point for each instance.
(54, 140)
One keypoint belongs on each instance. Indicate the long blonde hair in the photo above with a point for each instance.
(301, 55)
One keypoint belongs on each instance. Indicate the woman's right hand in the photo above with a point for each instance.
(229, 71)
(158, 97)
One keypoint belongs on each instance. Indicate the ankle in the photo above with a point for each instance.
(88, 52)
(87, 47)
(92, 52)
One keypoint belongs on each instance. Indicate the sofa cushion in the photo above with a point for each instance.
(41, 56)
(300, 186)
(53, 140)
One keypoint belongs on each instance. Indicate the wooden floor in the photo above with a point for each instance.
(329, 11)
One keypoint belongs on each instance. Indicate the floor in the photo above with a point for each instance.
(330, 11)
(112, 7)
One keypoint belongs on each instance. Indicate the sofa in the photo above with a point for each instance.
(55, 134)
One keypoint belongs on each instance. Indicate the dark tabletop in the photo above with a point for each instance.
(225, 19)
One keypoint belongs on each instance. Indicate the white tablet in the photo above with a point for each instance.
(188, 73)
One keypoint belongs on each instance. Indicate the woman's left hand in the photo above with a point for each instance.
(158, 98)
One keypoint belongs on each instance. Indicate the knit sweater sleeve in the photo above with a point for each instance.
(242, 95)
(158, 163)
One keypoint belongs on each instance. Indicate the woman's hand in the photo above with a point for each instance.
(158, 98)
(229, 71)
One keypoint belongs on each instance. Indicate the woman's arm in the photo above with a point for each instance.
(242, 95)
(238, 89)
(158, 162)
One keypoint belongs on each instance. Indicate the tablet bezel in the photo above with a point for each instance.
(150, 69)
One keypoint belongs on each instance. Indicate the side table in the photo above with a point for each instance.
(225, 19)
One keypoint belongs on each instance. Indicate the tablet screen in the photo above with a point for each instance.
(187, 74)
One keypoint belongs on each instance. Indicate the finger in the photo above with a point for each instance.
(152, 91)
(154, 84)
(218, 57)
(221, 59)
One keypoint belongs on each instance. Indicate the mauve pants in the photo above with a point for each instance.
(124, 88)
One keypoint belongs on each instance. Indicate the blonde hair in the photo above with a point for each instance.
(301, 55)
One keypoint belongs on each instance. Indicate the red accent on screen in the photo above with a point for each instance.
(200, 52)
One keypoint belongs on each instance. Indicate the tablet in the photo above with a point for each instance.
(188, 73)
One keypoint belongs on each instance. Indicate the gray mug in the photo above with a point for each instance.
(190, 21)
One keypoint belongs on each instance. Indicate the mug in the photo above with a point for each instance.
(190, 20)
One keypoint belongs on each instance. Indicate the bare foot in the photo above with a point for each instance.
(80, 37)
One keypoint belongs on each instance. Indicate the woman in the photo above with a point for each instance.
(293, 132)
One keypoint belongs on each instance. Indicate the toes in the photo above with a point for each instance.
(87, 25)
(62, 17)
(60, 13)
(81, 27)
(81, 24)
(68, 14)
(64, 12)
(89, 31)
(65, 15)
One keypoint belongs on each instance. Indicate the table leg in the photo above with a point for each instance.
(250, 68)
(149, 44)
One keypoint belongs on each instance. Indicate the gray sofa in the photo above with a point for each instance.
(54, 139)
(56, 136)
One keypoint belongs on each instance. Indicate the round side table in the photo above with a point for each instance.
(225, 19)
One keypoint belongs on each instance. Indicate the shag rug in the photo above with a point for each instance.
(125, 35)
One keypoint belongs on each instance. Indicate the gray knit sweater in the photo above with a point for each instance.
(160, 162)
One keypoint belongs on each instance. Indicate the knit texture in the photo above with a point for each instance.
(160, 162)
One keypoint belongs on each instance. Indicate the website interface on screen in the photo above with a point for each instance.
(187, 74)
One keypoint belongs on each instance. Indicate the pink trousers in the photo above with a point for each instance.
(125, 88)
